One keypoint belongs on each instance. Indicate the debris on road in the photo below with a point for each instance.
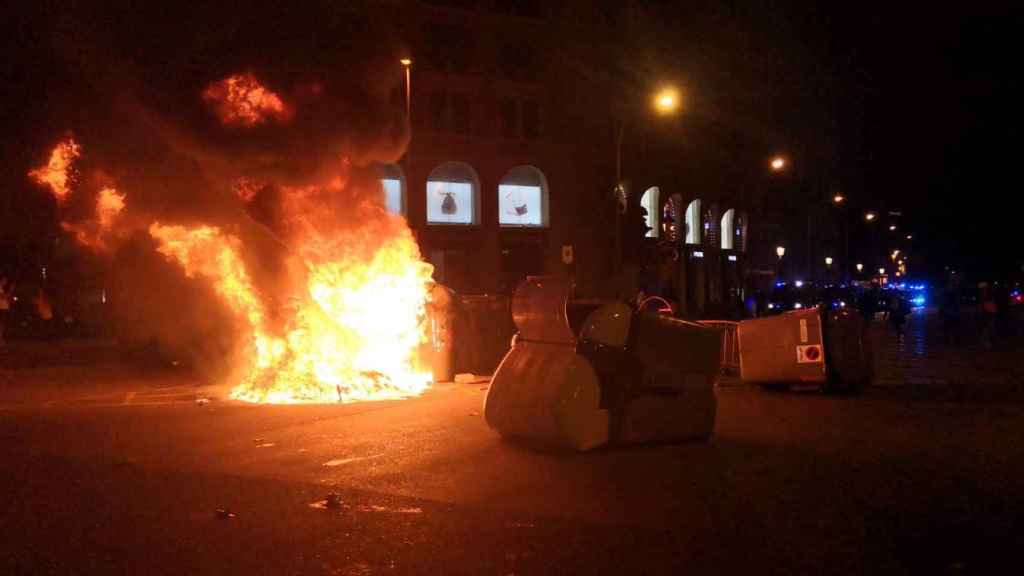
(333, 500)
(470, 378)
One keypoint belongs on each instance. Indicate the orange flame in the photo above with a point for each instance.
(109, 204)
(352, 333)
(242, 100)
(58, 173)
(246, 189)
(95, 233)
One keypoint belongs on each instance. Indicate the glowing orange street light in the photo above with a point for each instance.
(778, 163)
(828, 261)
(892, 228)
(881, 271)
(780, 251)
(838, 198)
(860, 267)
(910, 236)
(869, 216)
(666, 101)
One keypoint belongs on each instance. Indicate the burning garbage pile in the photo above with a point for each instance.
(315, 293)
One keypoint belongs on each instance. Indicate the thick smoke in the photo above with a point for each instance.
(145, 128)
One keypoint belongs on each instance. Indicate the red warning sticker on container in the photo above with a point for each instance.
(809, 354)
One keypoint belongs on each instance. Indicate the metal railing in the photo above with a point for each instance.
(730, 358)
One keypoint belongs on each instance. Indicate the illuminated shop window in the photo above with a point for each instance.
(452, 194)
(392, 179)
(650, 202)
(693, 222)
(728, 235)
(523, 198)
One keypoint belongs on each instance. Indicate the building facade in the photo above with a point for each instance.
(511, 165)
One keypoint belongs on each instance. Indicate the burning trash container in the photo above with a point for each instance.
(585, 373)
(826, 348)
(441, 317)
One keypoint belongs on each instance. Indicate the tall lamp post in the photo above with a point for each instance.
(839, 200)
(407, 64)
(665, 102)
(780, 251)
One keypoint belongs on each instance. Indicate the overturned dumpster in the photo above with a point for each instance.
(827, 349)
(581, 374)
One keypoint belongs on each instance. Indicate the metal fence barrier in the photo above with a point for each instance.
(730, 344)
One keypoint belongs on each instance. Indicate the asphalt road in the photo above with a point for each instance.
(109, 470)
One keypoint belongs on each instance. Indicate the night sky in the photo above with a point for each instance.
(901, 108)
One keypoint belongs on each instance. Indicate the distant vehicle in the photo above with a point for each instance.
(839, 297)
(797, 295)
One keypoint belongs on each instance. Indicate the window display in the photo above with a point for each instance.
(392, 195)
(449, 202)
(519, 205)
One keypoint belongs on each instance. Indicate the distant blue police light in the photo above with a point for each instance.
(780, 284)
(917, 301)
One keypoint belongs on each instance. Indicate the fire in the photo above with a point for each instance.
(109, 204)
(58, 173)
(95, 233)
(246, 189)
(343, 318)
(242, 100)
(350, 334)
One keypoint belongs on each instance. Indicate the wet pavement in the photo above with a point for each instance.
(927, 362)
(112, 469)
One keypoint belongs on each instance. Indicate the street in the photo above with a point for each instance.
(110, 469)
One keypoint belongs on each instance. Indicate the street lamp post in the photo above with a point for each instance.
(665, 102)
(407, 64)
(780, 251)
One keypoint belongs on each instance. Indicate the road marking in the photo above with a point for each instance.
(340, 461)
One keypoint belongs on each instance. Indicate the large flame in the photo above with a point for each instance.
(58, 173)
(345, 319)
(242, 100)
(351, 335)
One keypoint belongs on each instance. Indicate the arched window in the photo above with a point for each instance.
(523, 198)
(710, 226)
(392, 179)
(671, 227)
(693, 222)
(650, 202)
(728, 236)
(453, 195)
